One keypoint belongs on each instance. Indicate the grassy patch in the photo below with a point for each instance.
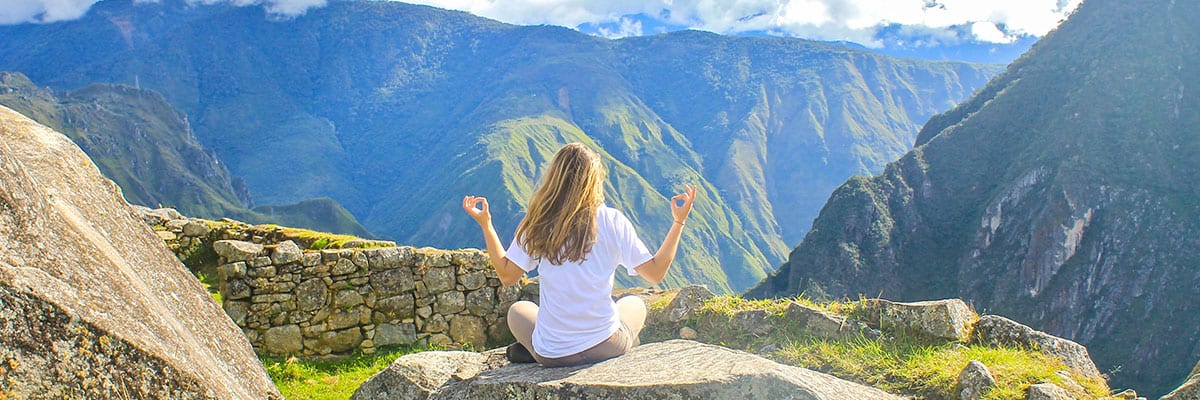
(314, 240)
(895, 362)
(329, 379)
(928, 371)
(730, 305)
(211, 284)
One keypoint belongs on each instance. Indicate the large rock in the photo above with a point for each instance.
(997, 330)
(236, 250)
(1189, 390)
(421, 375)
(824, 325)
(937, 320)
(286, 252)
(92, 303)
(687, 301)
(973, 381)
(676, 369)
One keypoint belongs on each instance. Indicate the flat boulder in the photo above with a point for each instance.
(92, 302)
(237, 250)
(675, 369)
(934, 320)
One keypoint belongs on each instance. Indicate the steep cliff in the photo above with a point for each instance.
(1064, 195)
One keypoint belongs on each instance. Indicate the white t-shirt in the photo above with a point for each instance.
(576, 307)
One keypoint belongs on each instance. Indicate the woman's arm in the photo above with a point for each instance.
(508, 272)
(655, 269)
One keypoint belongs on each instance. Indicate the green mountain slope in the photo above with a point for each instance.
(147, 147)
(136, 139)
(397, 111)
(1064, 195)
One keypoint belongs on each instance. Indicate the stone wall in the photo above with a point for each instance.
(294, 301)
(334, 301)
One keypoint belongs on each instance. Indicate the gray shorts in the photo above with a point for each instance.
(619, 343)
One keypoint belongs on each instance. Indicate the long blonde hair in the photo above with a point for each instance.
(560, 225)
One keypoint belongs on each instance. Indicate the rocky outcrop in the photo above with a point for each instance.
(92, 304)
(1189, 390)
(997, 330)
(666, 370)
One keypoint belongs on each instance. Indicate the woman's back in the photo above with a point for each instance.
(575, 298)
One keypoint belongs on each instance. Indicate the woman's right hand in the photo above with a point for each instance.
(481, 215)
(680, 212)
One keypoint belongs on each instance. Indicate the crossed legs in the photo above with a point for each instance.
(522, 316)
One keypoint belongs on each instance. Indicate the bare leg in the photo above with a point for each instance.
(522, 316)
(632, 311)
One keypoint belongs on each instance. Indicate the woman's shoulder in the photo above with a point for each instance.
(606, 213)
(608, 217)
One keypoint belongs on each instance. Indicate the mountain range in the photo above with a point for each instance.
(396, 111)
(1063, 195)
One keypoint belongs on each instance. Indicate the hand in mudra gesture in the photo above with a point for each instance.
(481, 215)
(681, 205)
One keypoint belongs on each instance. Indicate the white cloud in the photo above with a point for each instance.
(853, 20)
(627, 27)
(292, 7)
(986, 31)
(997, 21)
(19, 11)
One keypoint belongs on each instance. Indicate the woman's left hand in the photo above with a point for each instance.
(680, 212)
(481, 215)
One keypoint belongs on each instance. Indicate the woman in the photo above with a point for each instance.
(576, 243)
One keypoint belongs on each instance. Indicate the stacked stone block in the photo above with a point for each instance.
(295, 302)
(290, 301)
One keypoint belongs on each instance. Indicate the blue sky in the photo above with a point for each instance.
(973, 30)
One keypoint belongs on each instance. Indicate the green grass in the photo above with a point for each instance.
(314, 240)
(211, 284)
(202, 261)
(329, 379)
(729, 305)
(899, 366)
